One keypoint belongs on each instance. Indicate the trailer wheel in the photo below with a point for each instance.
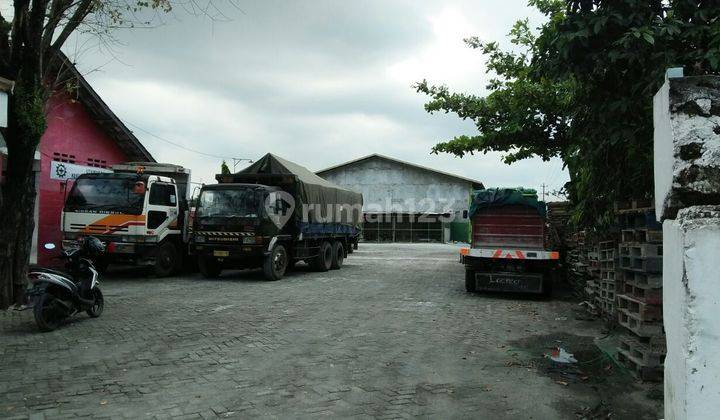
(167, 260)
(470, 280)
(324, 258)
(209, 267)
(275, 263)
(338, 255)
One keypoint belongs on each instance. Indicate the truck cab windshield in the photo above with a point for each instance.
(105, 194)
(242, 202)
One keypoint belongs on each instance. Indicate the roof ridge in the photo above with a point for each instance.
(415, 165)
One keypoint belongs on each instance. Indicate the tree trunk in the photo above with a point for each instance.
(26, 124)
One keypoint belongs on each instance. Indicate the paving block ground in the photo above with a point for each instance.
(393, 334)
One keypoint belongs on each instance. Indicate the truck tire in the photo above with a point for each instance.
(324, 258)
(167, 260)
(209, 267)
(547, 284)
(470, 280)
(275, 263)
(338, 255)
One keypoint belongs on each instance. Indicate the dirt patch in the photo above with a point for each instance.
(618, 394)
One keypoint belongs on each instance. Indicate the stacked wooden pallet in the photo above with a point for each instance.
(639, 292)
(592, 289)
(608, 287)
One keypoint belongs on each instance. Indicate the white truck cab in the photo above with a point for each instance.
(139, 216)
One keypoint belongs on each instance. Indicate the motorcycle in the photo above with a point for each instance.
(56, 295)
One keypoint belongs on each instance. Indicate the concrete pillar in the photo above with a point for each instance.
(691, 306)
(687, 194)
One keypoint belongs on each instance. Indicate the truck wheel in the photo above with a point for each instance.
(338, 255)
(470, 280)
(547, 284)
(324, 258)
(276, 263)
(167, 260)
(209, 267)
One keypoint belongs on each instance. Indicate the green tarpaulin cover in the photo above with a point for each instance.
(494, 197)
(311, 189)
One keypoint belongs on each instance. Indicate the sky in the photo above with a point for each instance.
(316, 82)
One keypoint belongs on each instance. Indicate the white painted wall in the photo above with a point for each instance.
(388, 186)
(691, 310)
(663, 147)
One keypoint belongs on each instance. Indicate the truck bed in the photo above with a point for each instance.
(508, 227)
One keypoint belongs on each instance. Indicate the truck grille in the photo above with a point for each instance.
(94, 228)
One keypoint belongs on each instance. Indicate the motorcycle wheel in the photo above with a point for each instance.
(47, 315)
(97, 309)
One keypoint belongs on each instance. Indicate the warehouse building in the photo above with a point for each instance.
(405, 202)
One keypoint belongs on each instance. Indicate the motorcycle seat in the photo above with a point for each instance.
(38, 269)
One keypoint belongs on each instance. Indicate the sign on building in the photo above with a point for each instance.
(63, 171)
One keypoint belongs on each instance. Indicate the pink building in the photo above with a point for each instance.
(83, 135)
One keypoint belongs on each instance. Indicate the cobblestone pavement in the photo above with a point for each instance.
(391, 335)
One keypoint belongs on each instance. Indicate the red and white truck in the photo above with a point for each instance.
(508, 250)
(139, 210)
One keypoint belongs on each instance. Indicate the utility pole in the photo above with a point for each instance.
(236, 161)
(543, 185)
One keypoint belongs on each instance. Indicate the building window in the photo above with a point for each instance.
(63, 157)
(97, 163)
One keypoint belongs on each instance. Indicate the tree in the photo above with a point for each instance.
(602, 61)
(30, 55)
(224, 169)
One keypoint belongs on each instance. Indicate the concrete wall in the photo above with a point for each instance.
(393, 187)
(687, 143)
(687, 195)
(691, 288)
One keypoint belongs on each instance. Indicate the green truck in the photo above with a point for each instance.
(272, 215)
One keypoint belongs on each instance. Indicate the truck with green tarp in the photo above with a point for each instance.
(508, 251)
(271, 215)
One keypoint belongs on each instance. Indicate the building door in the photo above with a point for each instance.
(402, 227)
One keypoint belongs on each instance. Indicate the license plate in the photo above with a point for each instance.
(221, 253)
(527, 282)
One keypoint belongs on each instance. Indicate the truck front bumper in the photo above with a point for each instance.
(121, 252)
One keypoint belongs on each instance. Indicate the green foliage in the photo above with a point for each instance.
(30, 112)
(224, 169)
(581, 89)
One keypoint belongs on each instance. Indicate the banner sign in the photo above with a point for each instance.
(63, 171)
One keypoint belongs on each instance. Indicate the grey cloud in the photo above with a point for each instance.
(307, 80)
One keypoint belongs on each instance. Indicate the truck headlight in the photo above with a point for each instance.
(250, 240)
(200, 239)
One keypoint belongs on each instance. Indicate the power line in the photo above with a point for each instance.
(234, 159)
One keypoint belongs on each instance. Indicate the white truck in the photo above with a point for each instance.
(139, 210)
